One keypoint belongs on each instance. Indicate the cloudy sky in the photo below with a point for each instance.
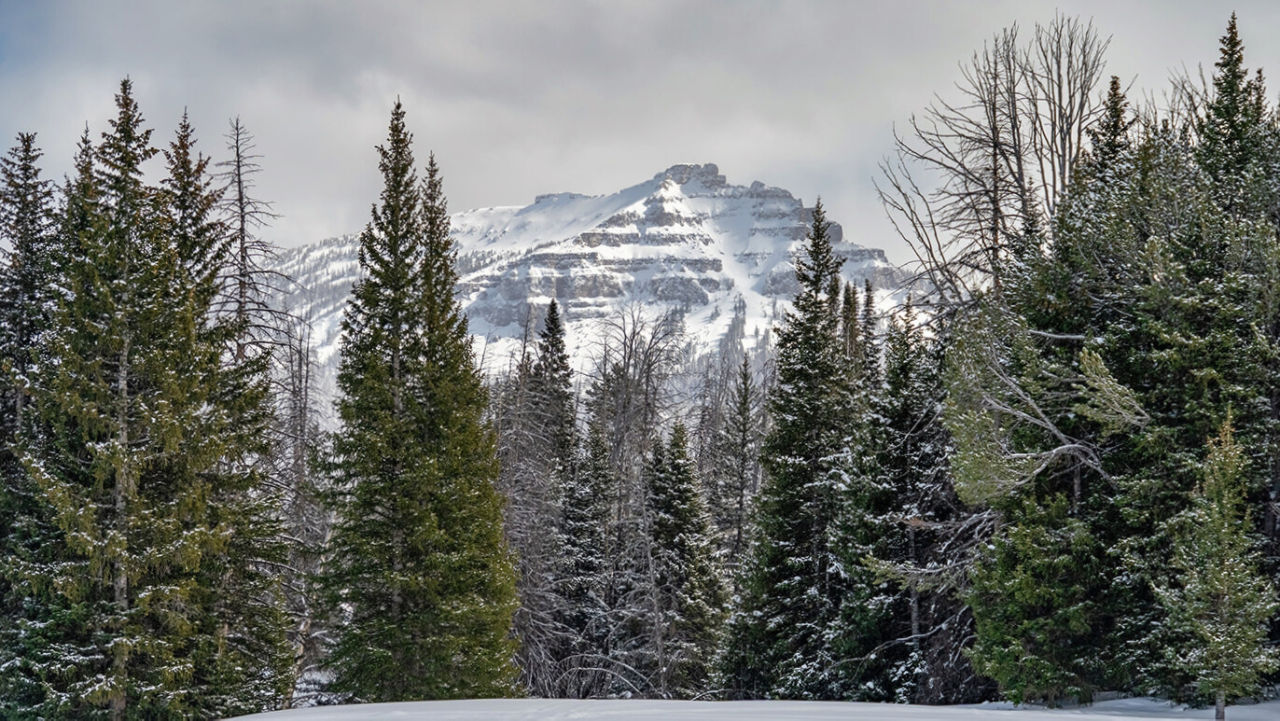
(521, 98)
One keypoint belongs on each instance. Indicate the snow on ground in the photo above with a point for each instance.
(572, 710)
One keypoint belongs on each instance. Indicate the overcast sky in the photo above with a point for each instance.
(520, 98)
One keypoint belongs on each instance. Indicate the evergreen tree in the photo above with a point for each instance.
(133, 422)
(1123, 346)
(1109, 137)
(536, 446)
(863, 632)
(626, 403)
(851, 323)
(1082, 380)
(915, 520)
(685, 589)
(1220, 600)
(26, 276)
(418, 559)
(1033, 617)
(27, 228)
(553, 390)
(740, 448)
(868, 345)
(926, 528)
(245, 665)
(796, 580)
(582, 578)
(1231, 131)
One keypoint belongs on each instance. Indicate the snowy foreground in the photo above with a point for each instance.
(564, 710)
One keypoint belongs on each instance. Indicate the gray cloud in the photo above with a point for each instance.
(522, 98)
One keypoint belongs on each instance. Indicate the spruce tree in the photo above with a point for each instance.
(535, 419)
(1220, 600)
(1128, 342)
(418, 561)
(686, 592)
(795, 584)
(27, 228)
(582, 578)
(553, 390)
(850, 323)
(42, 617)
(911, 456)
(133, 419)
(1109, 137)
(1034, 618)
(740, 448)
(921, 523)
(1230, 130)
(863, 629)
(106, 369)
(27, 274)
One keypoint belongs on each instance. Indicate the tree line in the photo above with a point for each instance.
(1051, 472)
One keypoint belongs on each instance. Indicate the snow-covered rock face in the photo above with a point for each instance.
(684, 240)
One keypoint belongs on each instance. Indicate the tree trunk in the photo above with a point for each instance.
(915, 593)
(1220, 709)
(123, 489)
(1075, 490)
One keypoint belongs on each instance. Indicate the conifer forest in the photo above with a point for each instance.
(1046, 469)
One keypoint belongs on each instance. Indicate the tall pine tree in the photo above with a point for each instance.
(26, 277)
(685, 591)
(780, 645)
(134, 418)
(418, 560)
(245, 665)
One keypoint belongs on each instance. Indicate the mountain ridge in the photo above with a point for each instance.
(685, 240)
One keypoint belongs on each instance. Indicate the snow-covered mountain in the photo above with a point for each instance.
(684, 240)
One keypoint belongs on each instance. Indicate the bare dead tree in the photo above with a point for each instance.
(249, 282)
(307, 522)
(637, 359)
(1064, 67)
(974, 174)
(632, 396)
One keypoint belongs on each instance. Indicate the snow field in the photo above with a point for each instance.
(576, 710)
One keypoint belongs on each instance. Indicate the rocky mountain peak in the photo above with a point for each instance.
(686, 241)
(707, 175)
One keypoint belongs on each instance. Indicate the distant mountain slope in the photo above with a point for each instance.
(684, 240)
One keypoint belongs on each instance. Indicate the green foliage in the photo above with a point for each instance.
(687, 595)
(795, 585)
(1107, 403)
(136, 500)
(419, 570)
(985, 364)
(582, 577)
(1097, 374)
(1037, 625)
(27, 229)
(1219, 600)
(739, 444)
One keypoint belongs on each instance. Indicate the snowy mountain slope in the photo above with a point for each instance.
(684, 240)
(563, 710)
